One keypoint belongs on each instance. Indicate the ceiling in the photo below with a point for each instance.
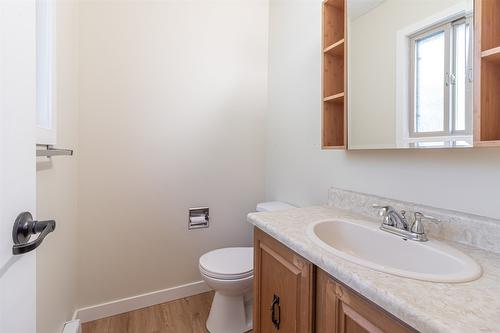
(357, 8)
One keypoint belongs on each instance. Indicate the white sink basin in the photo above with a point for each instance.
(365, 244)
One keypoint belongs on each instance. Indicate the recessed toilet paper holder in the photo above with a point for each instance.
(198, 218)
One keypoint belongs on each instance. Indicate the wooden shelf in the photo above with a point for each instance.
(338, 98)
(336, 49)
(491, 55)
(334, 147)
(486, 144)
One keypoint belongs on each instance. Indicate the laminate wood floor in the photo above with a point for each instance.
(186, 315)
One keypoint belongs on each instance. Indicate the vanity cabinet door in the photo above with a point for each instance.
(340, 310)
(283, 288)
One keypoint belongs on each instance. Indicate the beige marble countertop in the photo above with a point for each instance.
(429, 307)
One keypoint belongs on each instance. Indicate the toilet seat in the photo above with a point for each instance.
(226, 277)
(231, 263)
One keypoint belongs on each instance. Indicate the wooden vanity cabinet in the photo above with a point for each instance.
(341, 310)
(283, 288)
(292, 295)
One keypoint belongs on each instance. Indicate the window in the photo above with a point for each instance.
(45, 78)
(441, 80)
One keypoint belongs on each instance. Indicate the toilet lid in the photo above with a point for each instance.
(228, 263)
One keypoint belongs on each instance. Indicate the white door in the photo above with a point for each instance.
(17, 161)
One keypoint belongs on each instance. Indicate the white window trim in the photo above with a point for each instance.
(403, 64)
(447, 141)
(469, 85)
(442, 138)
(48, 136)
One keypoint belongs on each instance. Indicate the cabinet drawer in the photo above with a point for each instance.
(341, 310)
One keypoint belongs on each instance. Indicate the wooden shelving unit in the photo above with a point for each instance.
(334, 111)
(487, 81)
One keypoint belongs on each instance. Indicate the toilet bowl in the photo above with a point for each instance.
(229, 271)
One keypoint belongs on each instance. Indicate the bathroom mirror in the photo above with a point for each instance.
(410, 73)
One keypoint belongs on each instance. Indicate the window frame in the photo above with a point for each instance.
(449, 114)
(469, 88)
(46, 45)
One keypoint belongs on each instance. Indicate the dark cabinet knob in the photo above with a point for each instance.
(275, 312)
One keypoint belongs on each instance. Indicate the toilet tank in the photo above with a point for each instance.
(273, 206)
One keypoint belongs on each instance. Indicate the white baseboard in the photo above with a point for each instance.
(140, 301)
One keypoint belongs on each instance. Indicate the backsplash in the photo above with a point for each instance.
(469, 229)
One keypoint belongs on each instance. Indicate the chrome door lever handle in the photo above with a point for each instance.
(24, 227)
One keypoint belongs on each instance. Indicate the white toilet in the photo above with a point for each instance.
(229, 271)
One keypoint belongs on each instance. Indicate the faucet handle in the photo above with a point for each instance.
(384, 212)
(419, 216)
(417, 226)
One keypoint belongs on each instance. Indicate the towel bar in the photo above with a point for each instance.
(50, 151)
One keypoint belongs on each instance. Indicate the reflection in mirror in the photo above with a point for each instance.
(410, 73)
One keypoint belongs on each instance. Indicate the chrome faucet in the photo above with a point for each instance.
(392, 217)
(396, 223)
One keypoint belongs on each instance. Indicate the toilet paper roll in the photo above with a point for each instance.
(198, 220)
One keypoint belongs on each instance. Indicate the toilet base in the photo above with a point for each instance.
(230, 314)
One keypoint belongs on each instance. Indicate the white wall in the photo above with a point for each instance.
(57, 181)
(172, 115)
(299, 172)
(165, 105)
